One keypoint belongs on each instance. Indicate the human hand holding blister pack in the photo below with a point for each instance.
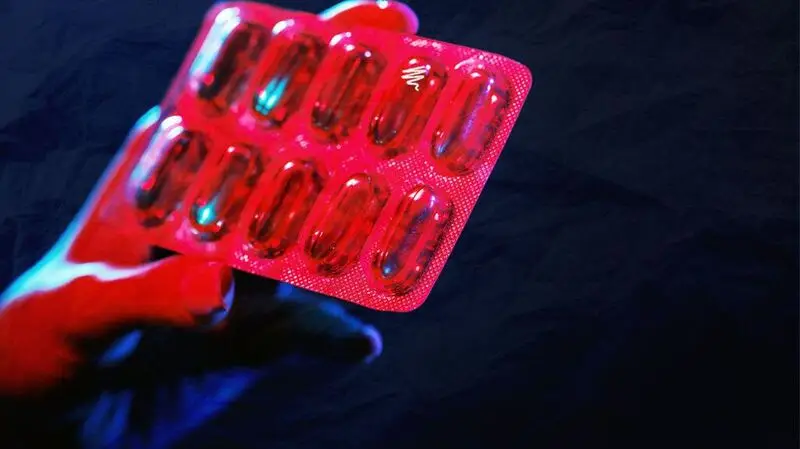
(337, 153)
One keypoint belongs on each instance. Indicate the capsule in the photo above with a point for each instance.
(217, 206)
(285, 82)
(280, 214)
(165, 171)
(338, 235)
(410, 240)
(478, 107)
(405, 108)
(226, 60)
(355, 71)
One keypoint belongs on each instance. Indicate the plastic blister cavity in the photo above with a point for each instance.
(478, 107)
(338, 234)
(283, 210)
(354, 69)
(410, 239)
(343, 161)
(217, 206)
(226, 60)
(294, 58)
(166, 169)
(405, 108)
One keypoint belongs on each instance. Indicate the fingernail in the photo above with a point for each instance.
(376, 341)
(228, 289)
(209, 284)
(214, 278)
(211, 319)
(218, 315)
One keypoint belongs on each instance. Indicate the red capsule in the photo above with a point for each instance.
(165, 170)
(226, 60)
(462, 136)
(405, 108)
(338, 235)
(355, 70)
(286, 80)
(281, 213)
(220, 201)
(410, 240)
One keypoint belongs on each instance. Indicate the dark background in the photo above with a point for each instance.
(628, 278)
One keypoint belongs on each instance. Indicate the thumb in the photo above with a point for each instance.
(387, 15)
(180, 291)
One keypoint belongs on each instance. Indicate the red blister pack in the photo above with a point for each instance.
(343, 161)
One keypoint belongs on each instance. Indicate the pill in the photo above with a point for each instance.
(337, 237)
(339, 105)
(219, 203)
(410, 240)
(286, 80)
(280, 214)
(473, 118)
(165, 170)
(226, 61)
(406, 106)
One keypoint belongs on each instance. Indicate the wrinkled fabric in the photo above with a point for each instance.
(628, 279)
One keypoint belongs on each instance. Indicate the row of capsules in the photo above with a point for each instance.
(222, 74)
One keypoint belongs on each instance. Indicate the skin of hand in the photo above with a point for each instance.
(89, 335)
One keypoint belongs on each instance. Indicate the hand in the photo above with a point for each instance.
(104, 325)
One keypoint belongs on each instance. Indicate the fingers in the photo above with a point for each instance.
(270, 320)
(179, 291)
(328, 332)
(260, 329)
(308, 326)
(75, 302)
(251, 343)
(388, 15)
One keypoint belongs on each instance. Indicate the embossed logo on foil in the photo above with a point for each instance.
(413, 75)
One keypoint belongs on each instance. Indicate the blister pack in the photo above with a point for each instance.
(343, 161)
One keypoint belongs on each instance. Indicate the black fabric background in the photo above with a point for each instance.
(628, 278)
